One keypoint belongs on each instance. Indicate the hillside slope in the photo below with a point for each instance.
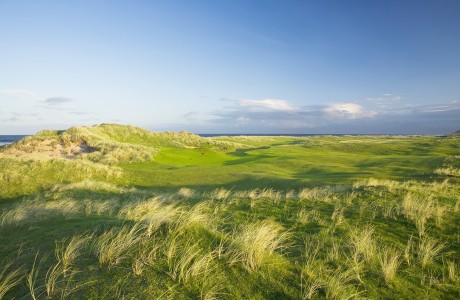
(105, 143)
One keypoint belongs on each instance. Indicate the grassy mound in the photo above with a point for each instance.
(105, 143)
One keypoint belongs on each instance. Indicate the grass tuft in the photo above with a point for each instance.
(9, 279)
(256, 242)
(428, 250)
(363, 243)
(389, 260)
(185, 193)
(113, 246)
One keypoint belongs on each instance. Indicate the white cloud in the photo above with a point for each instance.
(385, 114)
(266, 105)
(453, 105)
(348, 110)
(242, 120)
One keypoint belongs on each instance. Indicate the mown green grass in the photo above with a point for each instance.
(285, 163)
(235, 218)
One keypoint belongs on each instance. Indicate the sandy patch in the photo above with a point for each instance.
(48, 148)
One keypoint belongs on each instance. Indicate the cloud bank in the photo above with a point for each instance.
(386, 114)
(347, 111)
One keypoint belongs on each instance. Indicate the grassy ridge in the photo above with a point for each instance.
(231, 218)
(107, 143)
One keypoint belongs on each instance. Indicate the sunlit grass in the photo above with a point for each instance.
(275, 218)
(256, 242)
(9, 278)
(113, 246)
(389, 262)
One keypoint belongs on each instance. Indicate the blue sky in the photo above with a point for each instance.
(241, 66)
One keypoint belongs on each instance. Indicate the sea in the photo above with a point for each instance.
(8, 139)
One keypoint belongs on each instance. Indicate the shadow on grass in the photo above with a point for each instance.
(245, 157)
(322, 176)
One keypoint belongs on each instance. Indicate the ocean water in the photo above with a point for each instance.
(8, 139)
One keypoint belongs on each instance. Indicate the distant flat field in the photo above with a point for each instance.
(292, 162)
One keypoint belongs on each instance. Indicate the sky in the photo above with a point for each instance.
(231, 66)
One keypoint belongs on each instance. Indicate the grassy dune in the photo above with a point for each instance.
(229, 217)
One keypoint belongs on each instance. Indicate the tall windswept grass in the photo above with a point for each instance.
(9, 279)
(153, 213)
(338, 216)
(304, 216)
(39, 209)
(450, 167)
(220, 194)
(317, 193)
(310, 282)
(420, 210)
(59, 279)
(185, 193)
(32, 278)
(266, 193)
(334, 283)
(26, 176)
(68, 252)
(29, 211)
(136, 210)
(291, 194)
(54, 278)
(390, 211)
(452, 271)
(186, 261)
(390, 185)
(256, 241)
(334, 252)
(389, 260)
(164, 215)
(449, 171)
(90, 185)
(271, 194)
(194, 216)
(408, 251)
(339, 285)
(428, 250)
(113, 246)
(148, 256)
(363, 243)
(253, 194)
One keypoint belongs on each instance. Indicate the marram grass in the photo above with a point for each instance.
(231, 218)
